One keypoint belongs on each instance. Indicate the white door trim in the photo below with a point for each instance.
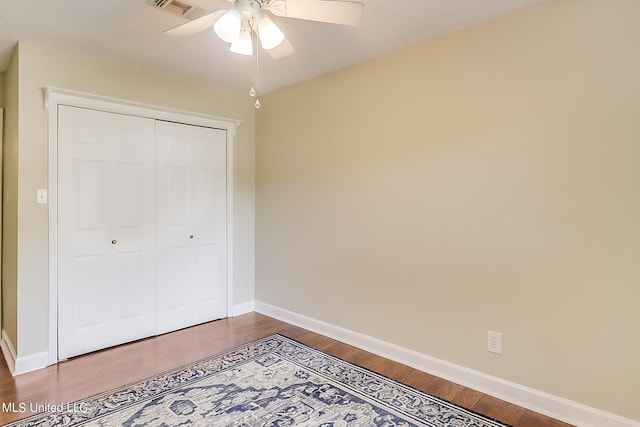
(56, 96)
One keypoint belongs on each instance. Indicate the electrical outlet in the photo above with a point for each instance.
(494, 342)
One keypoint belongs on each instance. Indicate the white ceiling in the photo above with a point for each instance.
(130, 30)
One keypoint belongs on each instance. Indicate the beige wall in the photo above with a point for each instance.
(2, 89)
(43, 65)
(2, 101)
(10, 208)
(486, 179)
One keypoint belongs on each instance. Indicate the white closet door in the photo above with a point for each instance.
(105, 230)
(191, 273)
(133, 226)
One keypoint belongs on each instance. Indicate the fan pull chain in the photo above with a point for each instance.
(253, 92)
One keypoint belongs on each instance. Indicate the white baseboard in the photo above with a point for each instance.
(243, 308)
(31, 362)
(544, 403)
(8, 351)
(24, 364)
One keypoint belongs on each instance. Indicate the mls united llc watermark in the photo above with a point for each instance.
(38, 407)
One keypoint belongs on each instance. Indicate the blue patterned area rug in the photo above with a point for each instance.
(272, 382)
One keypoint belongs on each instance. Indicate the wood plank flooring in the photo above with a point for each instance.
(104, 370)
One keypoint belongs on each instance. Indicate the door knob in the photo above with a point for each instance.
(191, 236)
(113, 242)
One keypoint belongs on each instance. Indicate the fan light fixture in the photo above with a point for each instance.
(243, 43)
(229, 25)
(238, 27)
(270, 35)
(244, 24)
(235, 27)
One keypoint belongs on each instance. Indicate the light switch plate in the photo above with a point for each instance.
(41, 196)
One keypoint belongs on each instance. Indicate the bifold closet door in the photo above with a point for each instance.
(106, 236)
(191, 276)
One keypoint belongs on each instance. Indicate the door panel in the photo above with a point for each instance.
(208, 272)
(176, 197)
(91, 197)
(106, 247)
(91, 273)
(83, 253)
(132, 226)
(191, 220)
(129, 283)
(178, 272)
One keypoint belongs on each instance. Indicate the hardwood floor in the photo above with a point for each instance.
(101, 371)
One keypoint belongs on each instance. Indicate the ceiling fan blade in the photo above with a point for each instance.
(331, 11)
(196, 25)
(283, 49)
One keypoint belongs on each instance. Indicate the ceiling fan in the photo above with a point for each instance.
(246, 18)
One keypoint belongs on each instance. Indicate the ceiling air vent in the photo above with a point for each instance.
(178, 7)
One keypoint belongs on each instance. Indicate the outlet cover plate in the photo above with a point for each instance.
(494, 342)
